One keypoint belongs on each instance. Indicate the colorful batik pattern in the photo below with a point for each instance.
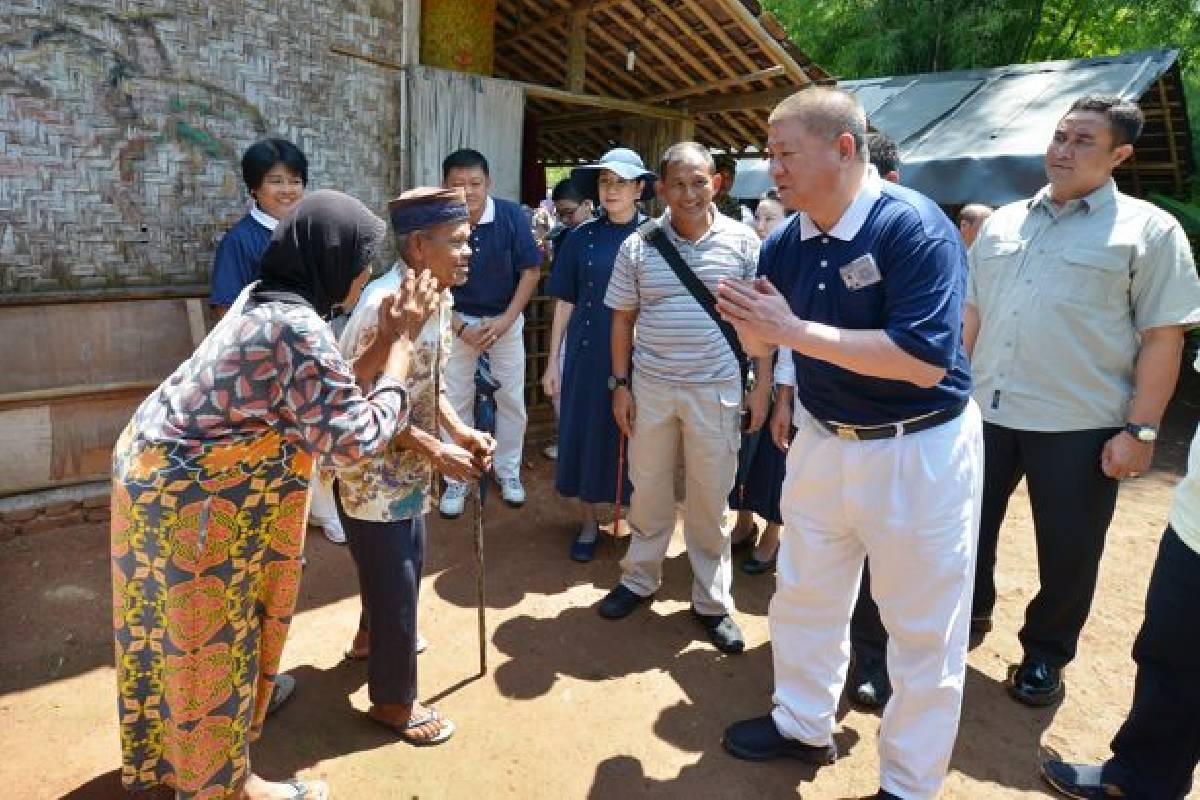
(210, 494)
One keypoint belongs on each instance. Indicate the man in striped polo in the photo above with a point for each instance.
(676, 381)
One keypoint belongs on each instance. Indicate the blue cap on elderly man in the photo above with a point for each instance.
(425, 207)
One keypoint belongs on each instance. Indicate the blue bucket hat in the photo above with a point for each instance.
(620, 160)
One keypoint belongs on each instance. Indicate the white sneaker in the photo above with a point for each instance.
(454, 500)
(550, 451)
(422, 644)
(511, 491)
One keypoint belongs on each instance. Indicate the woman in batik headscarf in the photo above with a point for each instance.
(209, 491)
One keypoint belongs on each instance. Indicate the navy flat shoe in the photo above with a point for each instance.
(583, 552)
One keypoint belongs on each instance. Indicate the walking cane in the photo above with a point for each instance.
(486, 386)
(620, 482)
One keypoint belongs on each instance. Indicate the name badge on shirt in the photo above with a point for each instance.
(860, 273)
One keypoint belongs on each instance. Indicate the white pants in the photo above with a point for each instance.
(508, 366)
(911, 504)
(706, 419)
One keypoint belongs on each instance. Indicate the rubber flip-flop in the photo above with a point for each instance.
(304, 790)
(285, 687)
(446, 728)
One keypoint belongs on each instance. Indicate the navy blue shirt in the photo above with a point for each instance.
(236, 264)
(913, 291)
(501, 250)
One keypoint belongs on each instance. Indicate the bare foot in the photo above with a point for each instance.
(255, 788)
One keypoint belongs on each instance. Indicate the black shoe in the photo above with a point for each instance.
(1081, 781)
(868, 683)
(884, 794)
(759, 740)
(1035, 683)
(619, 603)
(753, 566)
(722, 631)
(981, 626)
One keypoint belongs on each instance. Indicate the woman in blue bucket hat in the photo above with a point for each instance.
(588, 445)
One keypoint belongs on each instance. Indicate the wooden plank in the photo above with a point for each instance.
(768, 98)
(25, 449)
(735, 53)
(767, 42)
(86, 344)
(549, 22)
(577, 48)
(197, 322)
(41, 396)
(597, 101)
(712, 86)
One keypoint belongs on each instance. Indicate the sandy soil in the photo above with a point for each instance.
(573, 706)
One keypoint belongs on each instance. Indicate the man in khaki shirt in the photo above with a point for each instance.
(1076, 306)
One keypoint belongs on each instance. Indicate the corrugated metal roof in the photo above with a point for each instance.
(979, 136)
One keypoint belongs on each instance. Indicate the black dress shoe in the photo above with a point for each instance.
(1081, 781)
(759, 740)
(619, 603)
(868, 682)
(722, 631)
(884, 794)
(1035, 683)
(754, 566)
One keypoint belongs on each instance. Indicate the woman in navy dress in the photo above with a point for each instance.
(588, 437)
(760, 482)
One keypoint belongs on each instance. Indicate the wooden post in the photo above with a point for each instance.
(577, 47)
(1170, 128)
(459, 35)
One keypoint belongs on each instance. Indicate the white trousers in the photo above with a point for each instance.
(910, 504)
(705, 419)
(508, 366)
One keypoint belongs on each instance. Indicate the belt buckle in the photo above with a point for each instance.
(846, 432)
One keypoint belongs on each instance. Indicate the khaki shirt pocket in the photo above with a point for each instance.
(995, 263)
(1089, 275)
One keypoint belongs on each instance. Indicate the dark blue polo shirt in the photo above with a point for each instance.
(917, 301)
(500, 251)
(236, 264)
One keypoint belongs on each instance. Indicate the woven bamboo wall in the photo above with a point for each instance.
(122, 125)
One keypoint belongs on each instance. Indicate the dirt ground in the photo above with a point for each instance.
(573, 706)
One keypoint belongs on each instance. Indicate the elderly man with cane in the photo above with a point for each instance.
(865, 285)
(383, 500)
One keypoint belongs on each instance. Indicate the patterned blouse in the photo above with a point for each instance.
(273, 366)
(395, 484)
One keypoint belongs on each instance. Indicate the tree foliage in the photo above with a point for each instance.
(871, 38)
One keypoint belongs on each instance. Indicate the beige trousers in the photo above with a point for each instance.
(704, 419)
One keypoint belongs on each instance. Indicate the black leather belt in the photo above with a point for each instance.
(864, 433)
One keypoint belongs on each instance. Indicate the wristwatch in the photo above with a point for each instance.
(614, 382)
(1143, 433)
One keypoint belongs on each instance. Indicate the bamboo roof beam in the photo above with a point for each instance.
(735, 52)
(550, 22)
(671, 63)
(577, 47)
(712, 86)
(767, 42)
(740, 102)
(598, 101)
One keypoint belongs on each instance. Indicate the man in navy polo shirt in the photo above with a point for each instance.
(488, 318)
(866, 286)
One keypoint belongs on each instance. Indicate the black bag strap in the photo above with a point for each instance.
(652, 232)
